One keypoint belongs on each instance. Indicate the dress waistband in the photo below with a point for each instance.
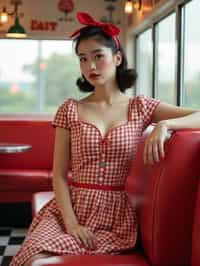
(98, 186)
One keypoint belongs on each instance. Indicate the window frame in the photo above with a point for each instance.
(150, 23)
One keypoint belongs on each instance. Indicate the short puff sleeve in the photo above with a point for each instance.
(147, 106)
(61, 118)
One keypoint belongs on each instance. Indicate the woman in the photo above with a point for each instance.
(99, 133)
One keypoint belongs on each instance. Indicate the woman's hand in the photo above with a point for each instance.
(83, 235)
(154, 144)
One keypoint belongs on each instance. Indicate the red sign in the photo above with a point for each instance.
(43, 25)
(66, 5)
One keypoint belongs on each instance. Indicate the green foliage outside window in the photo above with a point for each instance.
(54, 80)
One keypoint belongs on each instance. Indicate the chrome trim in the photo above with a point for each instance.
(14, 147)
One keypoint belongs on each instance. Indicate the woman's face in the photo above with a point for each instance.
(97, 62)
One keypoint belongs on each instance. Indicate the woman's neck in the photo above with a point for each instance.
(108, 94)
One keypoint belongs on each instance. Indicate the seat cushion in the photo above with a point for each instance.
(24, 180)
(135, 259)
(39, 199)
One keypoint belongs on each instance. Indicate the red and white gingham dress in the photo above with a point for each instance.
(103, 162)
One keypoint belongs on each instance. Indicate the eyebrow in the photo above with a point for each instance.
(92, 52)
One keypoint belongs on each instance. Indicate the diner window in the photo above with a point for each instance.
(144, 63)
(191, 82)
(37, 75)
(165, 60)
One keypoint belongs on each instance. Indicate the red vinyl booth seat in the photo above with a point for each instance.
(167, 198)
(22, 174)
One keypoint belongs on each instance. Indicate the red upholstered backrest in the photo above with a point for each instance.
(165, 194)
(196, 229)
(39, 134)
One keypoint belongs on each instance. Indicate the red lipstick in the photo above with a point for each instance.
(94, 76)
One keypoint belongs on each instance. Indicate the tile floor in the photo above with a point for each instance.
(10, 241)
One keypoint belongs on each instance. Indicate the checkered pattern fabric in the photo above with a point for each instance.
(109, 214)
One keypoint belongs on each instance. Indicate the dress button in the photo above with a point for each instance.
(100, 179)
(103, 164)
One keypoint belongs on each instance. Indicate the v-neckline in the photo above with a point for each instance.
(103, 138)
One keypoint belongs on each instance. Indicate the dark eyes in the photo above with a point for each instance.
(82, 59)
(97, 57)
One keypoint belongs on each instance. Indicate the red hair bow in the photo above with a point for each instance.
(108, 28)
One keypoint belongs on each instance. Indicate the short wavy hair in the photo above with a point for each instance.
(125, 76)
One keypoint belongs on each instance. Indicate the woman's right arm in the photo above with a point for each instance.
(60, 168)
(61, 189)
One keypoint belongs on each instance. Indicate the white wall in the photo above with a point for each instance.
(47, 11)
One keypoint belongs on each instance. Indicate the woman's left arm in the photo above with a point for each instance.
(176, 117)
(167, 117)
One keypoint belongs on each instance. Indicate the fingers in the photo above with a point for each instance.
(77, 237)
(161, 148)
(94, 240)
(148, 152)
(85, 237)
(154, 144)
(91, 240)
(153, 151)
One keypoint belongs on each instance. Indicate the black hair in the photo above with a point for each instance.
(125, 76)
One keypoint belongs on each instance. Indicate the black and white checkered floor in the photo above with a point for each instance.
(10, 241)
